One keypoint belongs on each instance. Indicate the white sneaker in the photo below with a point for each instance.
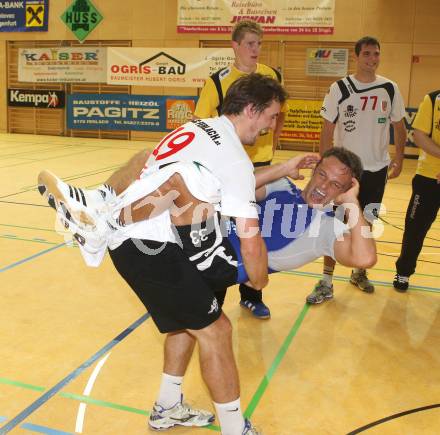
(179, 415)
(83, 212)
(81, 206)
(249, 429)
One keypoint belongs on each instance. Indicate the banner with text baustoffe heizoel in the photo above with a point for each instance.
(24, 16)
(303, 122)
(62, 65)
(128, 112)
(292, 17)
(176, 67)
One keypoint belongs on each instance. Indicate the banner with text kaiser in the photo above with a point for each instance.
(24, 16)
(128, 112)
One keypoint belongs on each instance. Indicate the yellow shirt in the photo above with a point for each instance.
(262, 150)
(427, 122)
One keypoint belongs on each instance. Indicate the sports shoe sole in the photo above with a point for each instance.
(48, 188)
(254, 315)
(371, 290)
(186, 424)
(324, 298)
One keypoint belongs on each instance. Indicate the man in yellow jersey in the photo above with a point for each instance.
(425, 199)
(246, 43)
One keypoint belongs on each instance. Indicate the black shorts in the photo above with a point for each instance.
(372, 188)
(207, 246)
(167, 283)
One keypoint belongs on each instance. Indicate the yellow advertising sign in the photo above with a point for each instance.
(303, 122)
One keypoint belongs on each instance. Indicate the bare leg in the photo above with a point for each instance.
(128, 173)
(217, 361)
(178, 349)
(329, 263)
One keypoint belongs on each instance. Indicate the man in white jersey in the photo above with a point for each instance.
(357, 112)
(181, 303)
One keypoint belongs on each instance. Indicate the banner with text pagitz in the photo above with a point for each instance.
(176, 67)
(293, 17)
(62, 65)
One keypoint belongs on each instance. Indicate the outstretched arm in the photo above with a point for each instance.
(290, 168)
(358, 248)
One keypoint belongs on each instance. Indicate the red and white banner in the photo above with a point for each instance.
(176, 67)
(289, 17)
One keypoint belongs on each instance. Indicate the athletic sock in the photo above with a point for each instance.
(170, 391)
(327, 276)
(230, 417)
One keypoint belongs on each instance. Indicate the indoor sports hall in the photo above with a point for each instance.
(79, 353)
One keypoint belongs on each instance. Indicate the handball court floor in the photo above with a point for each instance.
(79, 354)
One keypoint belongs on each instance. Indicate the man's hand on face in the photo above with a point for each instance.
(303, 161)
(351, 195)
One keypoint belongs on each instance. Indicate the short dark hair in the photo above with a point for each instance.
(348, 158)
(243, 27)
(366, 40)
(256, 89)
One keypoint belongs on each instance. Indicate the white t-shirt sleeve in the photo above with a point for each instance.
(278, 185)
(238, 190)
(398, 109)
(330, 109)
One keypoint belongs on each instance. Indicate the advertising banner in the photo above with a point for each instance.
(293, 17)
(62, 65)
(128, 112)
(303, 122)
(177, 67)
(24, 16)
(81, 17)
(327, 62)
(32, 98)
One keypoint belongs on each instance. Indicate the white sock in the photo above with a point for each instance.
(230, 417)
(170, 391)
(327, 275)
(328, 279)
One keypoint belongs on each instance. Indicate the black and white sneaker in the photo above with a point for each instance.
(401, 283)
(80, 206)
(81, 211)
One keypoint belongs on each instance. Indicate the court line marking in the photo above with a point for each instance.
(79, 425)
(78, 397)
(392, 417)
(71, 376)
(276, 362)
(25, 260)
(38, 428)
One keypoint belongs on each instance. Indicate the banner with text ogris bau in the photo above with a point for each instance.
(176, 67)
(293, 17)
(128, 112)
(303, 122)
(62, 65)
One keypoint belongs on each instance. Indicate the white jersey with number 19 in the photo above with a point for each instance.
(223, 171)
